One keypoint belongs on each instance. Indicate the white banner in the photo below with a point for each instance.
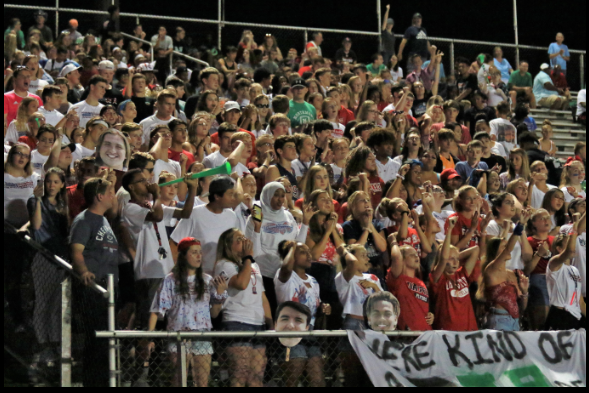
(474, 359)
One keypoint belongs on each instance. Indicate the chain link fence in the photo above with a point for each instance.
(238, 360)
(45, 332)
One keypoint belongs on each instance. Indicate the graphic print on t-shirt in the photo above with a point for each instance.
(275, 228)
(106, 236)
(461, 291)
(420, 292)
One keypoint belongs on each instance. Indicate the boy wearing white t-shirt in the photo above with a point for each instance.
(383, 144)
(90, 108)
(165, 108)
(207, 223)
(94, 129)
(150, 247)
(51, 102)
(162, 138)
(567, 305)
(502, 130)
(241, 143)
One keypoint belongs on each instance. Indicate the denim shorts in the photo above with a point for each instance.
(501, 320)
(538, 291)
(350, 324)
(309, 348)
(193, 347)
(244, 342)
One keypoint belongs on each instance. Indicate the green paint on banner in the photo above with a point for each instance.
(477, 381)
(528, 377)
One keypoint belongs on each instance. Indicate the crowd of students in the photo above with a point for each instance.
(347, 180)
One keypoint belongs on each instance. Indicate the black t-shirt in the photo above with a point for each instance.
(72, 96)
(111, 97)
(470, 82)
(353, 230)
(180, 45)
(388, 44)
(190, 106)
(144, 108)
(341, 55)
(554, 173)
(420, 106)
(416, 41)
(471, 115)
(494, 160)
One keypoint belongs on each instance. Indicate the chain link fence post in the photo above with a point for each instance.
(66, 333)
(582, 61)
(112, 354)
(452, 62)
(56, 19)
(182, 369)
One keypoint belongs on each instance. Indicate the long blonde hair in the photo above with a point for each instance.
(352, 202)
(348, 90)
(22, 114)
(225, 249)
(310, 183)
(565, 179)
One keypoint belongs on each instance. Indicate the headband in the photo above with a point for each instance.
(99, 122)
(186, 243)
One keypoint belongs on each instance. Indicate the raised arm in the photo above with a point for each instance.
(54, 154)
(426, 246)
(288, 265)
(242, 279)
(397, 264)
(386, 17)
(569, 252)
(461, 243)
(445, 253)
(186, 211)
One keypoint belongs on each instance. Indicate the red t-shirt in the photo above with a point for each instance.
(215, 140)
(377, 187)
(536, 244)
(302, 70)
(466, 139)
(453, 307)
(344, 116)
(29, 141)
(11, 103)
(411, 240)
(414, 299)
(343, 213)
(175, 156)
(461, 228)
(76, 201)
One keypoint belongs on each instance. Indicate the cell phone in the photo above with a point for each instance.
(257, 213)
(224, 276)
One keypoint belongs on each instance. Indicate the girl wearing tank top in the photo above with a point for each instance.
(505, 291)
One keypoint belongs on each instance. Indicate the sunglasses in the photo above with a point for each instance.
(262, 106)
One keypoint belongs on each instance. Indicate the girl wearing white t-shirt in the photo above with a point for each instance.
(19, 184)
(572, 177)
(539, 173)
(190, 299)
(47, 153)
(353, 288)
(567, 305)
(294, 285)
(554, 203)
(246, 310)
(518, 168)
(504, 210)
(19, 127)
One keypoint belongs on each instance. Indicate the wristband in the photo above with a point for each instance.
(519, 230)
(401, 177)
(218, 299)
(249, 257)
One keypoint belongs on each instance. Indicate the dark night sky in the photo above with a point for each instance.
(485, 20)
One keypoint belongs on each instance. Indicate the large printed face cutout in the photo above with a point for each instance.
(113, 151)
(382, 312)
(291, 320)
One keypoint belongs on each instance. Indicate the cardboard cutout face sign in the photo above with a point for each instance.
(382, 312)
(291, 320)
(113, 150)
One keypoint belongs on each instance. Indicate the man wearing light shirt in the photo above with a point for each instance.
(559, 53)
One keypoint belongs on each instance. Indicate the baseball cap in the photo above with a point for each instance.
(347, 39)
(544, 66)
(528, 137)
(417, 16)
(65, 145)
(106, 65)
(231, 105)
(299, 82)
(147, 67)
(449, 174)
(139, 56)
(390, 21)
(73, 22)
(220, 185)
(67, 69)
(40, 13)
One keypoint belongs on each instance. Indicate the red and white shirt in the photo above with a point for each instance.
(451, 296)
(414, 299)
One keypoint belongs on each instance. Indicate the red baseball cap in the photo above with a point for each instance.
(186, 243)
(449, 174)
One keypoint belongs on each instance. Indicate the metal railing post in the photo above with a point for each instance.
(379, 16)
(171, 63)
(220, 26)
(66, 333)
(56, 19)
(582, 60)
(182, 363)
(112, 353)
(452, 65)
(306, 40)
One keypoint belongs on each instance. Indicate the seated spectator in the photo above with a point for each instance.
(491, 159)
(530, 143)
(546, 143)
(471, 168)
(521, 85)
(522, 115)
(582, 107)
(547, 95)
(478, 108)
(519, 168)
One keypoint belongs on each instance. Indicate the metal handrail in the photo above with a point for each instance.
(120, 334)
(298, 28)
(55, 259)
(130, 36)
